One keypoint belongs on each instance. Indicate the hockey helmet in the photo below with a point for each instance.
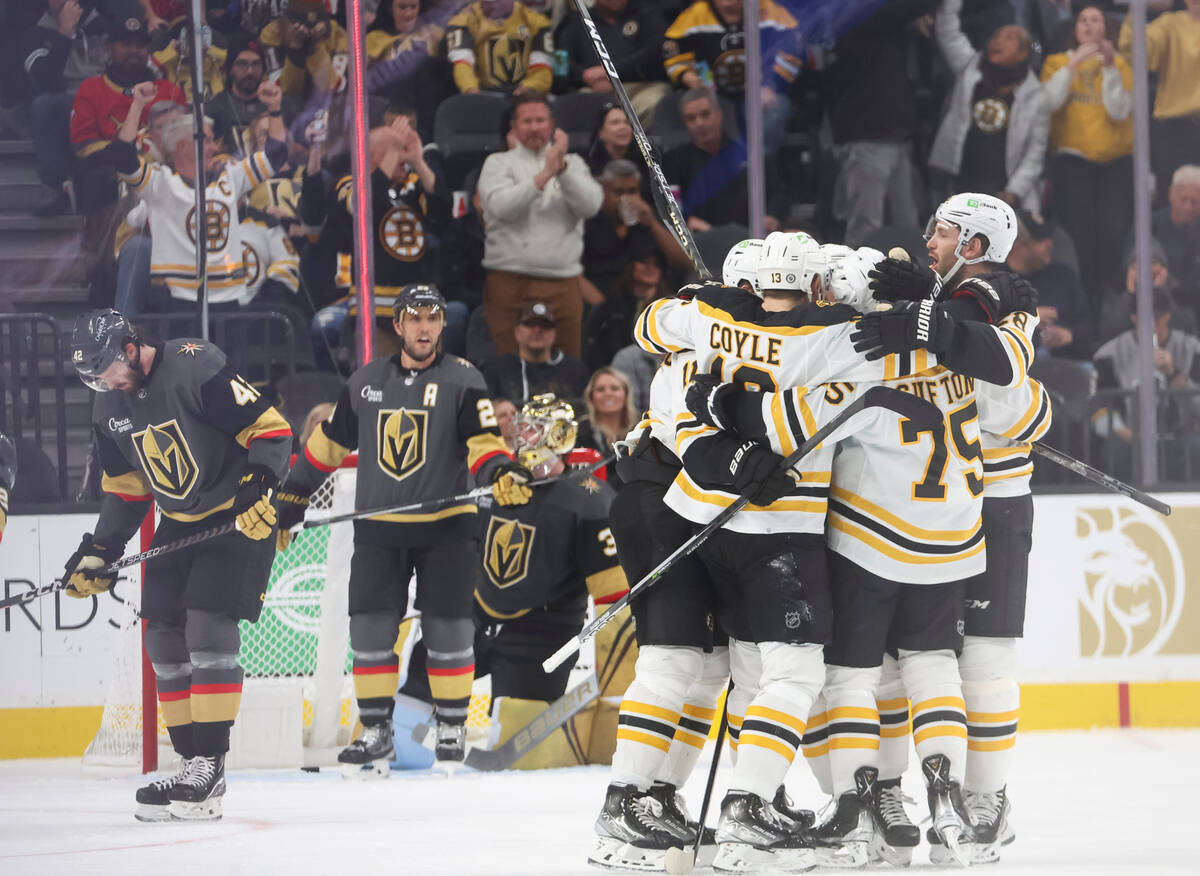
(741, 264)
(846, 281)
(789, 260)
(976, 214)
(97, 342)
(546, 428)
(415, 296)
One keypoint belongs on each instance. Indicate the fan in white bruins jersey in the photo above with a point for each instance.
(540, 561)
(175, 426)
(422, 422)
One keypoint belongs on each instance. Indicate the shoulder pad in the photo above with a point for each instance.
(988, 292)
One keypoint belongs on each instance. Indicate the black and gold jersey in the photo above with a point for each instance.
(418, 435)
(556, 546)
(500, 55)
(188, 435)
(699, 34)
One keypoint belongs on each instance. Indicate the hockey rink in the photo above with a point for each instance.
(1083, 802)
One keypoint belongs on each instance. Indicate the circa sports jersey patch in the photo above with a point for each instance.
(166, 459)
(189, 348)
(506, 551)
(402, 435)
(591, 485)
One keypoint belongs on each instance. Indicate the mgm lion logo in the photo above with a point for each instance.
(402, 437)
(506, 551)
(1134, 583)
(166, 459)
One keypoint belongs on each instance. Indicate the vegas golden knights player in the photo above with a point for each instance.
(421, 422)
(174, 424)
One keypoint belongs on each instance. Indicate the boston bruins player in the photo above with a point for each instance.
(175, 425)
(421, 421)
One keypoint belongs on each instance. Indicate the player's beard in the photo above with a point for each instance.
(138, 378)
(433, 351)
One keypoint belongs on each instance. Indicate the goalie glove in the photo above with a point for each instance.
(252, 508)
(909, 325)
(895, 279)
(758, 474)
(706, 397)
(508, 484)
(82, 570)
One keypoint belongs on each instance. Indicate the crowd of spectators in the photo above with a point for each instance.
(544, 239)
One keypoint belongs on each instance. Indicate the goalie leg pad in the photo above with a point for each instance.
(939, 715)
(792, 675)
(650, 711)
(894, 735)
(567, 746)
(853, 722)
(695, 721)
(408, 714)
(216, 696)
(993, 701)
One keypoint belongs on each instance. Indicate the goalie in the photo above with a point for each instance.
(540, 561)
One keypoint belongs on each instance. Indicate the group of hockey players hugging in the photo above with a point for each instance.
(876, 585)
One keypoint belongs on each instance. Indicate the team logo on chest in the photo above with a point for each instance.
(251, 261)
(402, 234)
(506, 550)
(166, 459)
(402, 436)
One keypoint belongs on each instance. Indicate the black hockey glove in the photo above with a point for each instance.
(758, 475)
(83, 568)
(691, 290)
(291, 505)
(252, 508)
(706, 397)
(909, 325)
(900, 280)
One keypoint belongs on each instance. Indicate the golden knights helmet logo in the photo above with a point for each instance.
(506, 551)
(166, 459)
(402, 435)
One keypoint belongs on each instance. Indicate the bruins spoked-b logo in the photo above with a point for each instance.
(166, 459)
(402, 436)
(506, 550)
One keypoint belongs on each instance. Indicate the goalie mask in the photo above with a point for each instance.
(546, 429)
(741, 264)
(97, 342)
(976, 215)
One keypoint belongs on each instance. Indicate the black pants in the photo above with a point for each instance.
(1173, 143)
(1094, 203)
(995, 598)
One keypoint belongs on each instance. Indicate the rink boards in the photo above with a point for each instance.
(1112, 635)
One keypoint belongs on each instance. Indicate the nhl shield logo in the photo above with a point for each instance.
(791, 620)
(166, 459)
(506, 550)
(402, 436)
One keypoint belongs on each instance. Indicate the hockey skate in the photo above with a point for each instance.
(844, 838)
(450, 747)
(950, 836)
(198, 793)
(753, 838)
(152, 799)
(990, 828)
(631, 832)
(895, 834)
(804, 818)
(367, 756)
(680, 823)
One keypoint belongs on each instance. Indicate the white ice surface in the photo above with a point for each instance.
(1101, 802)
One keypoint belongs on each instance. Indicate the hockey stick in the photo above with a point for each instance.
(430, 504)
(1098, 477)
(668, 207)
(906, 405)
(123, 563)
(686, 862)
(520, 743)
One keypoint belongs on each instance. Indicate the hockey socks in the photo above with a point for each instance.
(376, 678)
(215, 700)
(939, 716)
(175, 700)
(993, 702)
(450, 665)
(651, 711)
(852, 723)
(816, 745)
(696, 719)
(892, 702)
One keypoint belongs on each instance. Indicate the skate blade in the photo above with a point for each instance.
(882, 853)
(371, 771)
(204, 810)
(150, 813)
(745, 858)
(851, 855)
(954, 852)
(614, 854)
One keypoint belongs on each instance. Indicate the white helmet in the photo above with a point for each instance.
(741, 263)
(846, 279)
(976, 214)
(790, 260)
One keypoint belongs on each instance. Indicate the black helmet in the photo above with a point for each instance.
(99, 340)
(416, 295)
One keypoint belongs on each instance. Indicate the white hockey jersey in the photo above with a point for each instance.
(171, 203)
(1010, 421)
(267, 252)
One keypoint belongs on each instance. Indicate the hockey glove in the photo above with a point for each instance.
(255, 515)
(508, 484)
(292, 506)
(691, 290)
(82, 569)
(909, 325)
(758, 475)
(706, 397)
(900, 280)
